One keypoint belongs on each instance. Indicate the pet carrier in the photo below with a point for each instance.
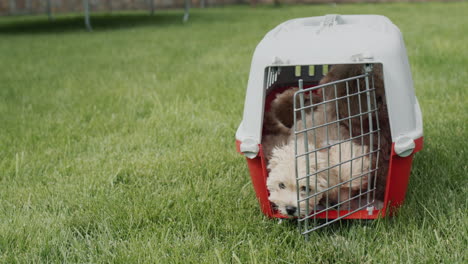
(350, 73)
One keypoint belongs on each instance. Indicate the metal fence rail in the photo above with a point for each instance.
(23, 7)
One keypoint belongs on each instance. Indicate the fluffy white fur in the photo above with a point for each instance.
(282, 166)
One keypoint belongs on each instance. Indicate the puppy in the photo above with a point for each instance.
(320, 131)
(326, 175)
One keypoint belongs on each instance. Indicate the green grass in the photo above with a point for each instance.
(118, 145)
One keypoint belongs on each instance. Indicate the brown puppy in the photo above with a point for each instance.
(356, 104)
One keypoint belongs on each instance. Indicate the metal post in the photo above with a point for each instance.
(152, 6)
(29, 6)
(86, 15)
(12, 7)
(187, 9)
(49, 10)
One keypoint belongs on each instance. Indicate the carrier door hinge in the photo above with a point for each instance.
(404, 146)
(365, 56)
(249, 148)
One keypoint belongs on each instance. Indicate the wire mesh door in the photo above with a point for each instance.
(336, 169)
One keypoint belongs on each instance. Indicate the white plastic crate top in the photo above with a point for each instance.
(335, 39)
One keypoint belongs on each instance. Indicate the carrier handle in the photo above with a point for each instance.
(329, 20)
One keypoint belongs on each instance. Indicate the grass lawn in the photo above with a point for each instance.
(117, 146)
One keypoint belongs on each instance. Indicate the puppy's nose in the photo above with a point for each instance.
(291, 209)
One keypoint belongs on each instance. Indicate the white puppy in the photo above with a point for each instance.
(341, 163)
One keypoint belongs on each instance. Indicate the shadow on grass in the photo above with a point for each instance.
(73, 23)
(338, 227)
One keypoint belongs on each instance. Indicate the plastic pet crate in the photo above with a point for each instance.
(298, 54)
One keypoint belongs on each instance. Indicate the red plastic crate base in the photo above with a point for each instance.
(397, 183)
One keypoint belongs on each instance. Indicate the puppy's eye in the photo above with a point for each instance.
(281, 186)
(302, 189)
